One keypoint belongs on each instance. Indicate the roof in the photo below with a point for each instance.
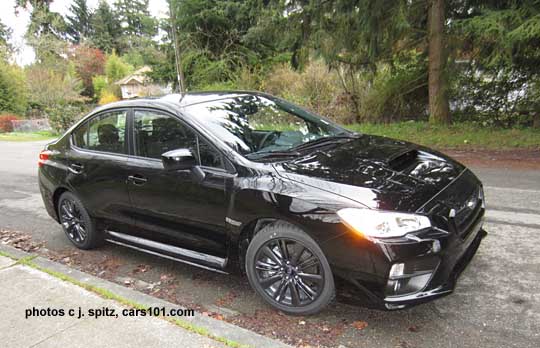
(191, 98)
(173, 102)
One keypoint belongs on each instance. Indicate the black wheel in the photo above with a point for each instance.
(289, 270)
(79, 227)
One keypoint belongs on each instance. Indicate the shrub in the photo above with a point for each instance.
(317, 88)
(48, 88)
(63, 116)
(107, 97)
(88, 62)
(100, 84)
(5, 123)
(13, 96)
(116, 68)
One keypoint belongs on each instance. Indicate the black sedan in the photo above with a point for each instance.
(300, 202)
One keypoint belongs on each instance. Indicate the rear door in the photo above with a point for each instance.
(173, 207)
(98, 168)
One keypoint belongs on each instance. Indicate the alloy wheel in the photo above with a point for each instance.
(73, 221)
(289, 272)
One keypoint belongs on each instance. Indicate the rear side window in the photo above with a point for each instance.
(106, 133)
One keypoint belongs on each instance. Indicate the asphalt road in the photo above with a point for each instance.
(496, 302)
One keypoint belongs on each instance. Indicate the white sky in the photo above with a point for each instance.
(19, 23)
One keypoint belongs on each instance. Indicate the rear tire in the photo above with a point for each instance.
(287, 268)
(79, 226)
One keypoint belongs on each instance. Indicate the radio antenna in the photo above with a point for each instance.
(179, 72)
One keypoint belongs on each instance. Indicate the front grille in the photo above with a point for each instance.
(459, 207)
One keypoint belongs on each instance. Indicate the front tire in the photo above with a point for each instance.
(288, 269)
(79, 227)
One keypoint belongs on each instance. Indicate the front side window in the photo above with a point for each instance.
(156, 133)
(105, 133)
(254, 124)
(209, 156)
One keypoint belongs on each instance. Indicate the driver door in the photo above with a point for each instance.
(173, 207)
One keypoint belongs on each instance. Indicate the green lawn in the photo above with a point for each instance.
(31, 136)
(457, 136)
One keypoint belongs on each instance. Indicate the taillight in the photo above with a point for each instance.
(44, 156)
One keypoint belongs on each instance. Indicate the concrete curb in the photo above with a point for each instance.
(217, 328)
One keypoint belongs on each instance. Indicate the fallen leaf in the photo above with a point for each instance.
(413, 328)
(325, 329)
(141, 269)
(360, 325)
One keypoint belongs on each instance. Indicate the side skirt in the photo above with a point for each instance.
(190, 257)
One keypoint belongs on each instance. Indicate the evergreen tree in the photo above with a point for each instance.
(105, 28)
(46, 32)
(5, 47)
(5, 34)
(79, 22)
(135, 18)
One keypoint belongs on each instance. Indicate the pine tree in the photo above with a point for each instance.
(46, 32)
(135, 18)
(5, 34)
(105, 28)
(5, 47)
(79, 23)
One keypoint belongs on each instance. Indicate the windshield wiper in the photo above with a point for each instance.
(321, 141)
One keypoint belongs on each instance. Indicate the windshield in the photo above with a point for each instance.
(254, 125)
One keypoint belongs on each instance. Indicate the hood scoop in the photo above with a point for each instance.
(402, 161)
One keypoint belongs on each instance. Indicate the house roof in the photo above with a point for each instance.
(138, 77)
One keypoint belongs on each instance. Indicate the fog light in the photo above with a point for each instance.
(410, 277)
(397, 270)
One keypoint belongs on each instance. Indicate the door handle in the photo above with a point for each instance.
(76, 168)
(137, 179)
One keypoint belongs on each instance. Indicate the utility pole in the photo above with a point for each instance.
(179, 72)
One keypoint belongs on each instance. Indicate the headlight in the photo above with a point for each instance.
(382, 224)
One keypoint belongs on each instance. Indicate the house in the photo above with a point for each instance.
(139, 84)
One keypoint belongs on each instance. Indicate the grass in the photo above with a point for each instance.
(27, 261)
(457, 136)
(28, 136)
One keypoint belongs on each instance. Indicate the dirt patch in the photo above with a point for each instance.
(508, 159)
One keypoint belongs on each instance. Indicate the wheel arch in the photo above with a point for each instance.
(251, 228)
(56, 197)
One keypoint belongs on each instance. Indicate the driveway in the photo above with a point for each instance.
(496, 302)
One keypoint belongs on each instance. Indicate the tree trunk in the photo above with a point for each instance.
(536, 120)
(439, 109)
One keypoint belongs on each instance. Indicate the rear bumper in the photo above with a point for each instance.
(46, 189)
(444, 279)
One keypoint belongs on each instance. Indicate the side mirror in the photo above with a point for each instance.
(179, 159)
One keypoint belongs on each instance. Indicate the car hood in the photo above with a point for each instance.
(378, 172)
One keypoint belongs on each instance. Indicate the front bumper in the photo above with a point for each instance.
(444, 278)
(452, 252)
